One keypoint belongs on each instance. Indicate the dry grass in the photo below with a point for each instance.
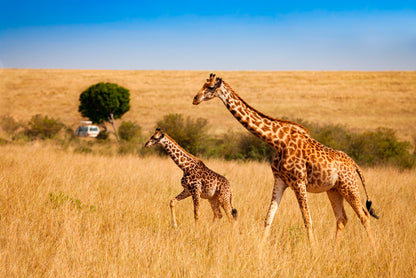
(360, 100)
(77, 215)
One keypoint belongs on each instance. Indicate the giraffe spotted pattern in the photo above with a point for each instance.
(198, 180)
(301, 163)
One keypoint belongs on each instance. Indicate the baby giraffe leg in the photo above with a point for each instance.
(196, 198)
(184, 194)
(226, 205)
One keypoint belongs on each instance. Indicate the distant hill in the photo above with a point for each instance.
(360, 100)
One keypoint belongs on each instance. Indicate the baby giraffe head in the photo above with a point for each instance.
(155, 139)
(209, 90)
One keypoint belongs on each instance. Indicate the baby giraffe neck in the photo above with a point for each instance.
(183, 159)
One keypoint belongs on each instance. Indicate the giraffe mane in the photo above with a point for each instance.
(182, 149)
(262, 114)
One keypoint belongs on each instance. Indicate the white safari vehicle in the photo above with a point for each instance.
(87, 129)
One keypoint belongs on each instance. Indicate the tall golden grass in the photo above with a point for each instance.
(360, 100)
(64, 214)
(77, 215)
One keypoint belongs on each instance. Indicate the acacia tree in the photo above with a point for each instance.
(104, 102)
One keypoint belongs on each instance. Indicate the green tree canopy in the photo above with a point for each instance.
(189, 133)
(104, 102)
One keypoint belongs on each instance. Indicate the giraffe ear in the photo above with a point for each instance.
(219, 81)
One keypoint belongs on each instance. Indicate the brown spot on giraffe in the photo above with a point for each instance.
(301, 163)
(198, 180)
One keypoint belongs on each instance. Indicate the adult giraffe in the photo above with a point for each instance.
(301, 163)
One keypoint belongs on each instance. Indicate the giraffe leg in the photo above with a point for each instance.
(336, 200)
(301, 195)
(215, 205)
(226, 205)
(196, 198)
(353, 198)
(184, 194)
(278, 190)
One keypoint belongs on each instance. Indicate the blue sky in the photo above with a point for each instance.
(208, 35)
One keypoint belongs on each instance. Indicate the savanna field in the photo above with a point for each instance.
(69, 214)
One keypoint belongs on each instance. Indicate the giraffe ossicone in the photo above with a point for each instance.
(301, 162)
(198, 180)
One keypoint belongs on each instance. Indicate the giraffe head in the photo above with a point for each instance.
(209, 90)
(155, 139)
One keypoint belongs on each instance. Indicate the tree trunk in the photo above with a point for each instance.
(111, 120)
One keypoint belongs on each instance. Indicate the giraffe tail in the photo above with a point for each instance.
(370, 209)
(368, 203)
(234, 213)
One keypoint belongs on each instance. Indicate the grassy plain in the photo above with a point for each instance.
(359, 100)
(78, 215)
(65, 214)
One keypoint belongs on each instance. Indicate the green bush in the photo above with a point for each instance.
(103, 135)
(9, 124)
(253, 148)
(130, 131)
(42, 127)
(370, 148)
(224, 146)
(190, 134)
(130, 134)
(3, 141)
(242, 146)
(333, 136)
(379, 147)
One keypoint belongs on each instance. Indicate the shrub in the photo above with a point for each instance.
(253, 148)
(3, 141)
(369, 148)
(130, 134)
(223, 147)
(190, 134)
(9, 124)
(67, 137)
(244, 146)
(381, 147)
(333, 136)
(42, 127)
(103, 135)
(130, 131)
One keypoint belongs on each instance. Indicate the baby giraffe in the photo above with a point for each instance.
(198, 180)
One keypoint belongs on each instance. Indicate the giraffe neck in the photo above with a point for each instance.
(270, 130)
(183, 159)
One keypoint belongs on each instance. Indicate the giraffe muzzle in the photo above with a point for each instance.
(196, 100)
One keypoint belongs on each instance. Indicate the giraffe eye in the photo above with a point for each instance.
(211, 87)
